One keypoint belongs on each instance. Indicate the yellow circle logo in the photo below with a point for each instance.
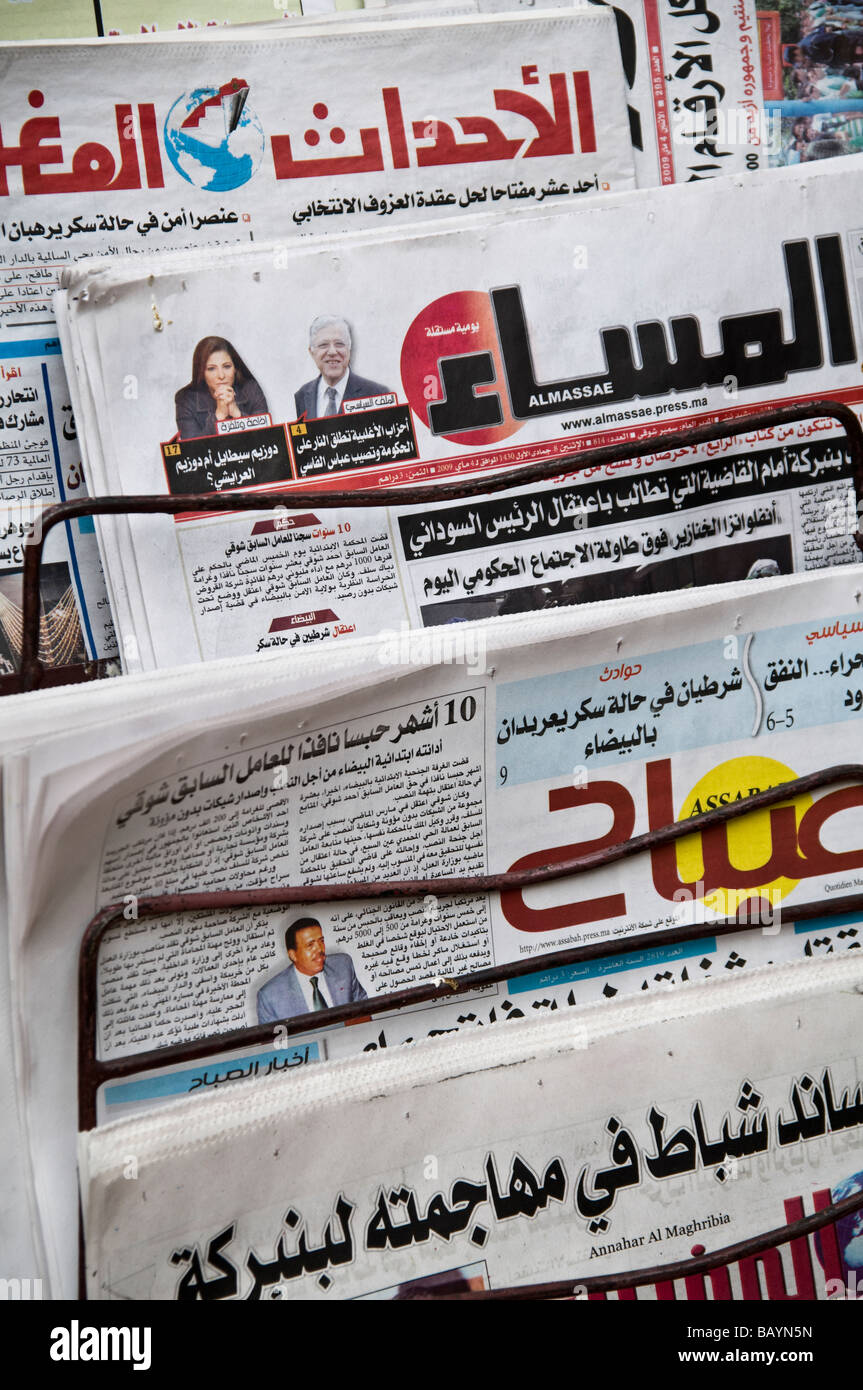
(750, 843)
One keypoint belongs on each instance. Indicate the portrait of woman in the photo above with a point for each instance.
(801, 135)
(222, 388)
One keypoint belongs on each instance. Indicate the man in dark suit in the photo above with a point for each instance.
(311, 982)
(330, 350)
(833, 47)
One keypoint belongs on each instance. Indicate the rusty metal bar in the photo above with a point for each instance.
(32, 671)
(679, 1269)
(80, 674)
(439, 989)
(93, 1072)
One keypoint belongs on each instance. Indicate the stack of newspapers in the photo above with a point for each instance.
(478, 404)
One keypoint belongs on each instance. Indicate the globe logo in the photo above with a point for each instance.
(212, 138)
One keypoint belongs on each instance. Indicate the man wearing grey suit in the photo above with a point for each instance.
(311, 982)
(330, 350)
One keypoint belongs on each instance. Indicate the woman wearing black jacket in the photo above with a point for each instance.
(222, 388)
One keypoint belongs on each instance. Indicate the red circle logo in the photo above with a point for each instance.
(457, 325)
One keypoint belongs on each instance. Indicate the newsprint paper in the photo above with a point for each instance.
(694, 84)
(603, 333)
(137, 146)
(627, 1138)
(519, 747)
(124, 147)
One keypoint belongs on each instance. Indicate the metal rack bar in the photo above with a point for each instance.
(678, 1269)
(93, 1072)
(33, 673)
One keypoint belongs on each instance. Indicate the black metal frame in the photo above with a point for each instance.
(34, 675)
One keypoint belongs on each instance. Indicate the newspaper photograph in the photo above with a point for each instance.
(693, 75)
(167, 16)
(557, 1152)
(68, 19)
(40, 463)
(812, 64)
(461, 373)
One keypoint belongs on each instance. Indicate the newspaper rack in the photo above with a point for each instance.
(34, 674)
(93, 1072)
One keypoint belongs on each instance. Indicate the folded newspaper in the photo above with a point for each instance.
(626, 1139)
(694, 79)
(222, 136)
(490, 359)
(522, 743)
(240, 134)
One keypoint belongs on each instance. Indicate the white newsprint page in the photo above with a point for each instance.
(522, 340)
(626, 1138)
(694, 86)
(128, 146)
(519, 743)
(131, 146)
